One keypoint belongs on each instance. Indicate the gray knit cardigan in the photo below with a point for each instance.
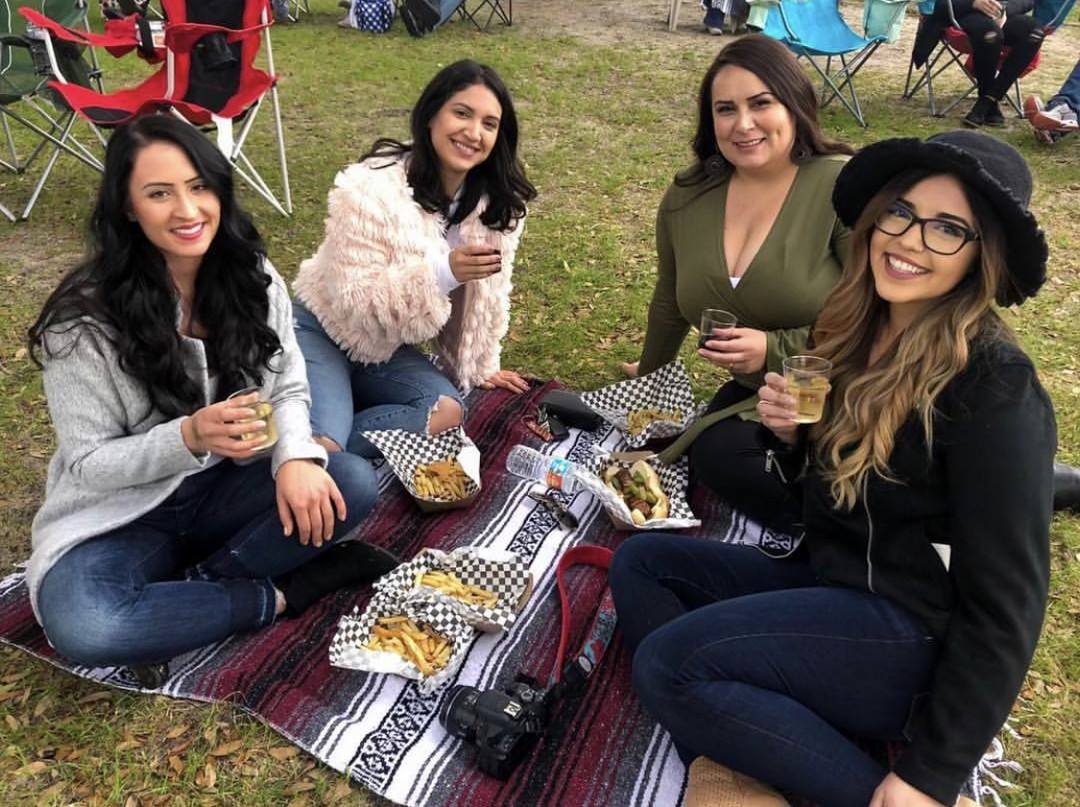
(117, 457)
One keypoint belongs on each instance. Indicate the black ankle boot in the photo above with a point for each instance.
(1066, 487)
(993, 114)
(977, 116)
(352, 563)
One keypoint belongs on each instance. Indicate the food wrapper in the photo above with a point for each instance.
(503, 573)
(347, 647)
(674, 480)
(665, 394)
(404, 451)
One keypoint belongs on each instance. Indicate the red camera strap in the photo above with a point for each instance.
(574, 673)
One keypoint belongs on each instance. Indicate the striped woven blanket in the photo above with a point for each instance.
(601, 749)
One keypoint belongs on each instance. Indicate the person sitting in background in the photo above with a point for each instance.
(914, 607)
(167, 524)
(420, 244)
(991, 26)
(748, 229)
(1058, 116)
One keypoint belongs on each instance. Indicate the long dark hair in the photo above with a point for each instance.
(501, 176)
(778, 70)
(123, 289)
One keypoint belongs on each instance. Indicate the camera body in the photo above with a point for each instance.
(502, 724)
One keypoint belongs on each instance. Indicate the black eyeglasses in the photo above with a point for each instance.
(943, 236)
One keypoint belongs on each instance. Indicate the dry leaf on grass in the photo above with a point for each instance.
(176, 731)
(42, 706)
(32, 768)
(340, 791)
(132, 801)
(13, 722)
(283, 752)
(127, 745)
(176, 764)
(300, 801)
(94, 697)
(225, 749)
(207, 777)
(300, 787)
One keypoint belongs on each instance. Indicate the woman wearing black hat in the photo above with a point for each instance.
(916, 607)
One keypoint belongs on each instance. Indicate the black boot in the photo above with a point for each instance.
(993, 114)
(977, 117)
(352, 563)
(1066, 487)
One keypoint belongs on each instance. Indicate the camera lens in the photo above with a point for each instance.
(458, 712)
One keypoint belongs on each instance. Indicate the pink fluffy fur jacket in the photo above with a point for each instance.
(372, 282)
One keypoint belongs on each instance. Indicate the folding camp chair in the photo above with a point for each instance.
(503, 10)
(208, 76)
(814, 28)
(26, 100)
(953, 48)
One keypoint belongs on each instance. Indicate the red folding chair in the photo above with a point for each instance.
(953, 48)
(207, 75)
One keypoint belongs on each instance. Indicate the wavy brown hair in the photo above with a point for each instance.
(868, 404)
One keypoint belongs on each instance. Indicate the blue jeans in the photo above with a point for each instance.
(1069, 92)
(349, 397)
(123, 598)
(749, 661)
(714, 17)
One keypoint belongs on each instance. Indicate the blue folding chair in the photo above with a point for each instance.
(813, 29)
(953, 48)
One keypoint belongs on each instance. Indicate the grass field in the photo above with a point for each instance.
(604, 127)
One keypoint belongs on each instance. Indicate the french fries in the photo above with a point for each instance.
(637, 420)
(429, 651)
(441, 481)
(449, 583)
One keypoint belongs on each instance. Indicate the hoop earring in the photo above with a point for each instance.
(800, 153)
(715, 166)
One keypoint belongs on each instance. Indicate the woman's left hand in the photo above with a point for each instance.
(895, 792)
(505, 379)
(742, 351)
(307, 498)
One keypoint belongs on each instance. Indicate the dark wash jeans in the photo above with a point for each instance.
(192, 571)
(748, 661)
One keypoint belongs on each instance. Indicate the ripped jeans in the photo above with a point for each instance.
(348, 398)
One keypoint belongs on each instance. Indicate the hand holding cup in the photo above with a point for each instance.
(777, 408)
(234, 428)
(474, 261)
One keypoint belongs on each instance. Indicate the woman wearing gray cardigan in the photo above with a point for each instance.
(167, 523)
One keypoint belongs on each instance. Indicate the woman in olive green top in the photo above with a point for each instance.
(750, 229)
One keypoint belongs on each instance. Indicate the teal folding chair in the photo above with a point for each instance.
(813, 29)
(26, 100)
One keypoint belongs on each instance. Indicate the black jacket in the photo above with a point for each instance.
(984, 496)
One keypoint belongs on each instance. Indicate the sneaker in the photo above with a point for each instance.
(714, 31)
(1058, 118)
(710, 784)
(977, 115)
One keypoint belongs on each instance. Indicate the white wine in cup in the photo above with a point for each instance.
(264, 411)
(808, 383)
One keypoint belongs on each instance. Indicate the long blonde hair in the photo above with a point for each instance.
(868, 404)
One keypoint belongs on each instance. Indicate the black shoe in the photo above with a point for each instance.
(352, 563)
(994, 116)
(1066, 487)
(977, 116)
(150, 676)
(425, 16)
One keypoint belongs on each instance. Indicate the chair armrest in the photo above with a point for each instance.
(15, 40)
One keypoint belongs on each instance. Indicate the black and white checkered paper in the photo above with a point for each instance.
(502, 573)
(347, 647)
(674, 480)
(666, 389)
(404, 451)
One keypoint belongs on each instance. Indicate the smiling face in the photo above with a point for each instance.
(177, 211)
(463, 133)
(754, 131)
(909, 276)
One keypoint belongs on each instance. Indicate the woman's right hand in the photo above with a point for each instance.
(991, 8)
(214, 428)
(777, 408)
(474, 262)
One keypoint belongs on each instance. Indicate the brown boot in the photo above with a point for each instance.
(710, 784)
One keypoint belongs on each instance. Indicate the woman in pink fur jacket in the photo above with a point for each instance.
(420, 242)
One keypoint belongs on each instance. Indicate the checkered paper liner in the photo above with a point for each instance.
(347, 650)
(404, 451)
(503, 573)
(674, 480)
(666, 389)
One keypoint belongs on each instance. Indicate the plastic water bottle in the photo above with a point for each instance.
(555, 472)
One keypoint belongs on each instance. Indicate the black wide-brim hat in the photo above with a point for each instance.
(986, 165)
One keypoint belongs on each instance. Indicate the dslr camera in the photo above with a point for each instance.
(502, 724)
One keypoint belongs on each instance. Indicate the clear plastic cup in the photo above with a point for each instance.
(264, 411)
(808, 383)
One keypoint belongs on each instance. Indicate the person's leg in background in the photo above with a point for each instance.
(986, 41)
(405, 392)
(714, 17)
(1058, 117)
(1022, 35)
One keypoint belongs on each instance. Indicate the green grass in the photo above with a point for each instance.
(604, 128)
